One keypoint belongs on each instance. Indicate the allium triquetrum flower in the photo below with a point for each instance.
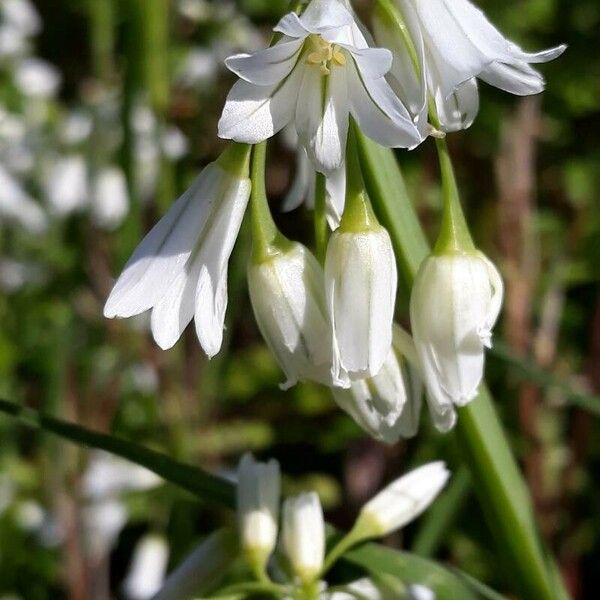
(320, 72)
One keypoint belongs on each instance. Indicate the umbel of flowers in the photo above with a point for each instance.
(286, 547)
(328, 316)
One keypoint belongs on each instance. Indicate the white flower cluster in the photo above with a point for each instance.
(333, 323)
(293, 558)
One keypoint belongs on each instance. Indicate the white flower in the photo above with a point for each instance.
(202, 569)
(288, 298)
(388, 405)
(110, 199)
(302, 189)
(454, 305)
(258, 491)
(22, 16)
(304, 535)
(148, 568)
(360, 282)
(66, 185)
(18, 206)
(455, 44)
(36, 78)
(402, 501)
(320, 72)
(180, 268)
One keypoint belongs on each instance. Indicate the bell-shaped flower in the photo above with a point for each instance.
(288, 298)
(179, 271)
(401, 502)
(321, 71)
(453, 44)
(66, 185)
(455, 302)
(258, 492)
(387, 405)
(17, 206)
(303, 535)
(360, 282)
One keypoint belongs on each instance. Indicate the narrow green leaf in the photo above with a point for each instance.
(204, 485)
(413, 569)
(497, 480)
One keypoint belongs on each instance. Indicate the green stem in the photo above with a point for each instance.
(266, 238)
(252, 588)
(102, 17)
(320, 218)
(454, 231)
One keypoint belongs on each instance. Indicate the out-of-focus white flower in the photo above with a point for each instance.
(148, 568)
(402, 501)
(66, 185)
(22, 16)
(195, 10)
(455, 44)
(37, 78)
(174, 143)
(12, 42)
(288, 298)
(107, 476)
(455, 302)
(303, 533)
(102, 524)
(110, 200)
(420, 592)
(19, 207)
(319, 73)
(202, 569)
(258, 491)
(360, 282)
(76, 127)
(388, 405)
(179, 270)
(14, 274)
(30, 515)
(199, 68)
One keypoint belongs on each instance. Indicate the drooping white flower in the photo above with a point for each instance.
(303, 533)
(17, 206)
(37, 78)
(66, 185)
(110, 199)
(360, 282)
(320, 72)
(202, 570)
(388, 405)
(455, 44)
(455, 302)
(302, 189)
(148, 568)
(21, 15)
(288, 298)
(402, 501)
(179, 271)
(258, 492)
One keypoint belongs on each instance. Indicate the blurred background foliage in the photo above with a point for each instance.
(108, 109)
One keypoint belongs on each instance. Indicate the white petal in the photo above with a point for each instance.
(322, 117)
(321, 15)
(379, 112)
(335, 186)
(268, 66)
(517, 78)
(162, 255)
(253, 113)
(372, 63)
(302, 188)
(458, 111)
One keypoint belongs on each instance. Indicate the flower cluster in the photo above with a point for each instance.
(290, 560)
(329, 317)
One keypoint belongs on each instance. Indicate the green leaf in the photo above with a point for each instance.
(200, 483)
(413, 569)
(500, 487)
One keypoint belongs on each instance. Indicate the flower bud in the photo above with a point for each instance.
(304, 535)
(286, 290)
(402, 501)
(360, 282)
(454, 305)
(258, 508)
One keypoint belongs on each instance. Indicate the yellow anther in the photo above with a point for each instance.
(339, 58)
(325, 54)
(314, 58)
